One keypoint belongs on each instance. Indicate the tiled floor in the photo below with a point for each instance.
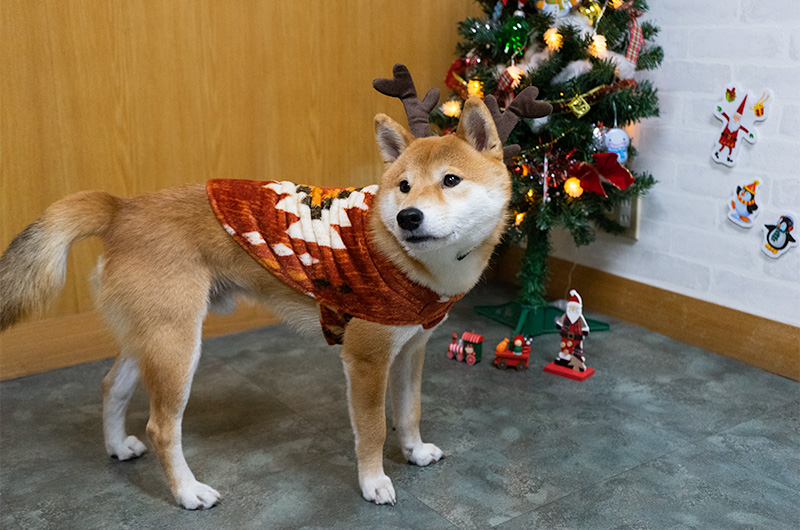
(663, 436)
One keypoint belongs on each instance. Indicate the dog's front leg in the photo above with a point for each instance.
(405, 389)
(366, 354)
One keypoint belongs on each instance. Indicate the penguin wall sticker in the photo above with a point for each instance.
(779, 237)
(739, 111)
(742, 207)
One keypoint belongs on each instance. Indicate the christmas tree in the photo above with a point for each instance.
(582, 56)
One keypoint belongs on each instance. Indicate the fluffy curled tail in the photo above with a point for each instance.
(33, 267)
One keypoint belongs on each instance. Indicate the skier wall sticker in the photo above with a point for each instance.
(739, 111)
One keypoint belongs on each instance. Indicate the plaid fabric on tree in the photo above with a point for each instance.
(506, 82)
(636, 42)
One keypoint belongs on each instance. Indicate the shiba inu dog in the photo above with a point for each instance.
(427, 231)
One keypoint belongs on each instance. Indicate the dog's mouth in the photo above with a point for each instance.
(421, 239)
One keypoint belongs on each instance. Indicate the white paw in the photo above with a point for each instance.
(423, 454)
(130, 447)
(379, 490)
(197, 496)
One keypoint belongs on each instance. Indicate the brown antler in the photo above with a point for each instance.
(402, 86)
(523, 106)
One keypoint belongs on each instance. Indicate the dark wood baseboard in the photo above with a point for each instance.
(766, 344)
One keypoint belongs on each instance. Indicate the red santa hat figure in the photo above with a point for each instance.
(573, 328)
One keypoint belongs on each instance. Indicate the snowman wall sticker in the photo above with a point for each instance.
(739, 111)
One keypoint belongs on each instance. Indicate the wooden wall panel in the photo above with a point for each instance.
(134, 96)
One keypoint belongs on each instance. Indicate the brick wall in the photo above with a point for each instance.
(686, 244)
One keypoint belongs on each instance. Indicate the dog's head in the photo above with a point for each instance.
(443, 192)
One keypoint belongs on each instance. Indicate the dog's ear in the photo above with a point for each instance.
(392, 138)
(478, 129)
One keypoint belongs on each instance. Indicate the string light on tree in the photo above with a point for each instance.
(553, 39)
(451, 108)
(475, 88)
(572, 187)
(598, 47)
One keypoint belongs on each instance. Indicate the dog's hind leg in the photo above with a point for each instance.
(118, 387)
(405, 391)
(168, 363)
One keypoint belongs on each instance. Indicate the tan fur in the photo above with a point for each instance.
(167, 261)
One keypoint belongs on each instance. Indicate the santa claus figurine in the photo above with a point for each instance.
(573, 329)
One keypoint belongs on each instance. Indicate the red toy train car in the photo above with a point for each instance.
(515, 357)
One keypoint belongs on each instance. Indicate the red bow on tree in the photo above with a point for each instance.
(606, 165)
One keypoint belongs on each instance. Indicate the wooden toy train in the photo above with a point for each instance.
(467, 348)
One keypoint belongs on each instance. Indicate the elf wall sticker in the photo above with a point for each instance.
(739, 111)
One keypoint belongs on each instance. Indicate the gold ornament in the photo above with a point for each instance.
(579, 106)
(591, 11)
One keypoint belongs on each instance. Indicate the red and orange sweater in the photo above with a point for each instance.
(315, 240)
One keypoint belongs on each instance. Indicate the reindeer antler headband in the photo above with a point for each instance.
(418, 111)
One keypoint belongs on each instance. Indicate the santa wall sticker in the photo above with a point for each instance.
(739, 111)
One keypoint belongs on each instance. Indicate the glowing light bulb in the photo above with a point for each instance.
(598, 46)
(475, 88)
(553, 39)
(451, 108)
(519, 218)
(572, 187)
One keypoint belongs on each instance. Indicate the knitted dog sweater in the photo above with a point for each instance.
(316, 241)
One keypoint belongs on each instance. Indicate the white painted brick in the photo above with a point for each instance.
(674, 41)
(733, 41)
(693, 13)
(776, 154)
(783, 80)
(728, 245)
(790, 121)
(681, 76)
(781, 12)
(682, 209)
(686, 244)
(787, 196)
(700, 179)
(759, 294)
(794, 45)
(673, 270)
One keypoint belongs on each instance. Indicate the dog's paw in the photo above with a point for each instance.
(423, 454)
(131, 447)
(379, 490)
(197, 496)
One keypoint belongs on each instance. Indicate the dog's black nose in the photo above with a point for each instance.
(409, 218)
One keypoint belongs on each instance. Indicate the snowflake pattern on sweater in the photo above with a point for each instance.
(315, 240)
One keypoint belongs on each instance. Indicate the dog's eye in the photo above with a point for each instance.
(405, 187)
(451, 180)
